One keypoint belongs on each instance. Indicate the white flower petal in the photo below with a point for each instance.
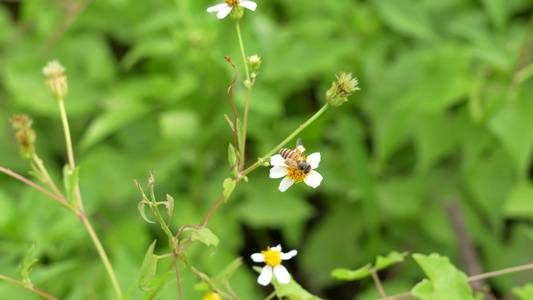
(217, 7)
(282, 275)
(288, 255)
(258, 257)
(266, 275)
(278, 172)
(276, 248)
(313, 179)
(314, 160)
(277, 160)
(224, 12)
(248, 4)
(285, 184)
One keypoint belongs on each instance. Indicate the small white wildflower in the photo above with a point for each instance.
(272, 257)
(225, 8)
(280, 169)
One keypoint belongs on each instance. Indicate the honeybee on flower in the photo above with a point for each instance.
(296, 167)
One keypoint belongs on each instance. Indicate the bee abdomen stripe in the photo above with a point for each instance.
(285, 153)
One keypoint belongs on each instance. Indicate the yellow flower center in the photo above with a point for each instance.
(211, 296)
(272, 257)
(296, 175)
(232, 3)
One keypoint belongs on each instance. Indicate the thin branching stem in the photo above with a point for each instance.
(377, 282)
(29, 286)
(36, 186)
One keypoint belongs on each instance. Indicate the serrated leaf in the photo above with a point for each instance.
(142, 209)
(70, 179)
(391, 258)
(148, 268)
(28, 263)
(203, 235)
(349, 275)
(445, 280)
(228, 184)
(525, 292)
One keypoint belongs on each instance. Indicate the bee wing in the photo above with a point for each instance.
(300, 149)
(291, 163)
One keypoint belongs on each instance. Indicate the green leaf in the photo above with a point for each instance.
(509, 124)
(117, 116)
(142, 210)
(230, 269)
(228, 184)
(292, 290)
(148, 268)
(406, 17)
(239, 136)
(391, 258)
(525, 292)
(349, 275)
(445, 280)
(28, 263)
(519, 203)
(232, 159)
(203, 235)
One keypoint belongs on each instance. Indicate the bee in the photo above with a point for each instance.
(296, 159)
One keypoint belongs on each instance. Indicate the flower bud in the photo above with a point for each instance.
(24, 134)
(57, 81)
(254, 62)
(340, 90)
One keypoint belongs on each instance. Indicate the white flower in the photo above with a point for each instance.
(280, 169)
(225, 8)
(272, 257)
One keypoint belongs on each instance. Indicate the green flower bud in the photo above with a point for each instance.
(57, 81)
(340, 90)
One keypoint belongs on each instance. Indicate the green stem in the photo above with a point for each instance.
(29, 286)
(249, 86)
(67, 135)
(285, 141)
(242, 50)
(42, 170)
(103, 256)
(58, 198)
(80, 212)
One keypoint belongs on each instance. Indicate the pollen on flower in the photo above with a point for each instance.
(272, 258)
(296, 175)
(232, 3)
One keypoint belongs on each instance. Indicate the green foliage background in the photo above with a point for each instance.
(445, 114)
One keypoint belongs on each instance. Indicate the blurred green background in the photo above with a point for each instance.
(444, 115)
